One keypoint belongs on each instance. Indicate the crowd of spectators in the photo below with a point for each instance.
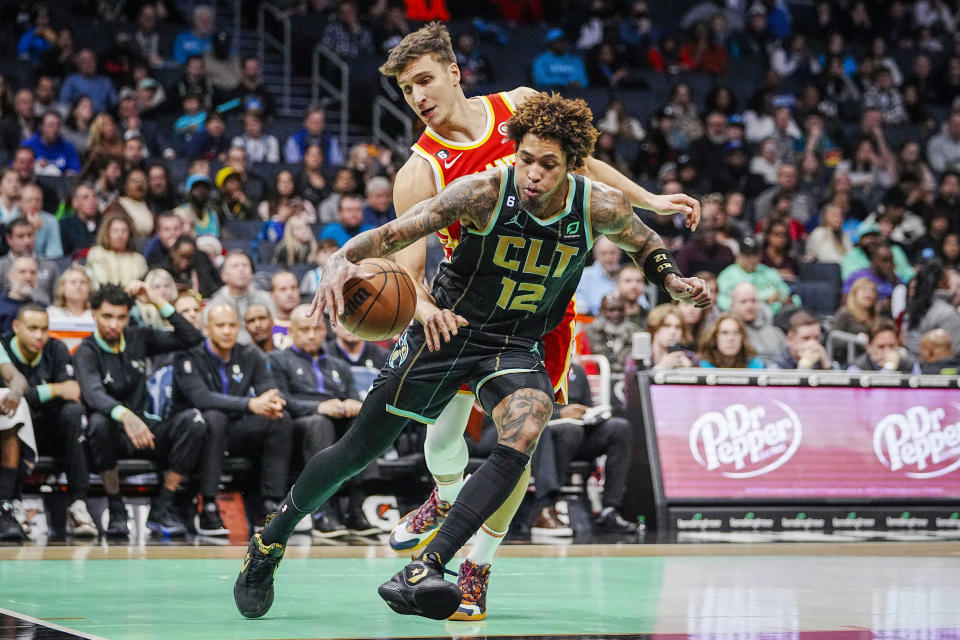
(830, 194)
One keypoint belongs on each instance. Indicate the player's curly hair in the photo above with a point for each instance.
(550, 115)
(433, 39)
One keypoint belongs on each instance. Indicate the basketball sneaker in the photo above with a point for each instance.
(253, 590)
(418, 527)
(10, 529)
(420, 590)
(163, 518)
(473, 581)
(117, 525)
(208, 522)
(79, 522)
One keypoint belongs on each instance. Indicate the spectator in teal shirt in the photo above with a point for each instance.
(349, 220)
(771, 289)
(557, 68)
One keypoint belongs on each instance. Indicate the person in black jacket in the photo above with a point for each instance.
(191, 268)
(111, 369)
(231, 384)
(573, 438)
(54, 400)
(323, 400)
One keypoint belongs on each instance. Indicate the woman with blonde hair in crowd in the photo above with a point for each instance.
(725, 345)
(105, 138)
(161, 283)
(828, 243)
(665, 324)
(298, 245)
(859, 310)
(114, 257)
(70, 311)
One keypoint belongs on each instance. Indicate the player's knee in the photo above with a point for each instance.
(523, 438)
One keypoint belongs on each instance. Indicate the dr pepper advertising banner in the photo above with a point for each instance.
(789, 442)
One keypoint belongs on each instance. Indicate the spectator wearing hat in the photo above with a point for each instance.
(771, 289)
(222, 66)
(253, 185)
(260, 146)
(249, 95)
(198, 213)
(197, 41)
(149, 98)
(557, 68)
(868, 235)
(233, 204)
(86, 82)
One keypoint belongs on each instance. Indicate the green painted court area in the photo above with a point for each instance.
(325, 598)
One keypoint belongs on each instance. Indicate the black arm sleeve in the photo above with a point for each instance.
(87, 368)
(198, 393)
(183, 336)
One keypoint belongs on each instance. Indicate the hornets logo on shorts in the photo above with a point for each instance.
(400, 351)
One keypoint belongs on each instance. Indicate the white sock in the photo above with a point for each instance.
(485, 545)
(448, 491)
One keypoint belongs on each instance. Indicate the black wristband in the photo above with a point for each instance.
(658, 266)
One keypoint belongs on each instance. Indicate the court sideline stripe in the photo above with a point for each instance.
(50, 625)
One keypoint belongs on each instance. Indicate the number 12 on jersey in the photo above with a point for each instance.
(528, 295)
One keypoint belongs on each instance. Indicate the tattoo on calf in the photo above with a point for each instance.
(523, 407)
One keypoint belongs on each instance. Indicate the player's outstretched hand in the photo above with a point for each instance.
(441, 326)
(336, 272)
(666, 205)
(690, 290)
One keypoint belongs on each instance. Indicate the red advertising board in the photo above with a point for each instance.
(799, 443)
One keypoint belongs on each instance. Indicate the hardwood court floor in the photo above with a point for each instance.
(768, 591)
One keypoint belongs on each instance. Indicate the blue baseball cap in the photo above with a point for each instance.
(555, 34)
(195, 178)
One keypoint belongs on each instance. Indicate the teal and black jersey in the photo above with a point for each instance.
(516, 277)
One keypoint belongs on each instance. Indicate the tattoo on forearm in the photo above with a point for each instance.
(470, 198)
(523, 411)
(612, 215)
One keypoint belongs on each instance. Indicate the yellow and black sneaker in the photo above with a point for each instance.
(253, 591)
(420, 590)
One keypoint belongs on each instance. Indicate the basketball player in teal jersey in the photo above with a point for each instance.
(527, 232)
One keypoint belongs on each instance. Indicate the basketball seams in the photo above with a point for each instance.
(373, 299)
(382, 269)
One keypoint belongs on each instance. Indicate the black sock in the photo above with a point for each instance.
(479, 498)
(115, 501)
(8, 483)
(164, 496)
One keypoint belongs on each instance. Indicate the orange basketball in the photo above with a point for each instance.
(382, 306)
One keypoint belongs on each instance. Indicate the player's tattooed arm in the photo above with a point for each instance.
(471, 199)
(520, 418)
(611, 214)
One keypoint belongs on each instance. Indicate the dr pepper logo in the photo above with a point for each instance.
(921, 442)
(743, 442)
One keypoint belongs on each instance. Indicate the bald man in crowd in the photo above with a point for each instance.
(937, 354)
